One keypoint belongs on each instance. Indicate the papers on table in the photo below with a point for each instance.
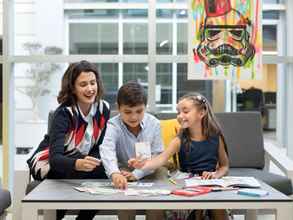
(99, 190)
(178, 175)
(107, 188)
(228, 181)
(147, 192)
(110, 184)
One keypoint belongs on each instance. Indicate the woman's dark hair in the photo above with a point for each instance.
(131, 94)
(66, 94)
(210, 125)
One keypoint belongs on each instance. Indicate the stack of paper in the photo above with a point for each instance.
(147, 192)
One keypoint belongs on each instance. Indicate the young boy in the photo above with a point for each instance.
(132, 125)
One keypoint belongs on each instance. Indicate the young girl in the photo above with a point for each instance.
(200, 144)
(77, 130)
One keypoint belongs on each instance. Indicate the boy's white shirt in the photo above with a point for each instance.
(119, 144)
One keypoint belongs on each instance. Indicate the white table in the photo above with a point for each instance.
(59, 194)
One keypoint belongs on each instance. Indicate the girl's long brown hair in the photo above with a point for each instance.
(210, 125)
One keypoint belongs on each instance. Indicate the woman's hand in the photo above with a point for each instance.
(137, 162)
(87, 164)
(209, 175)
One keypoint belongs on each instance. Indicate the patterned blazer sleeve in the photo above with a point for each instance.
(60, 164)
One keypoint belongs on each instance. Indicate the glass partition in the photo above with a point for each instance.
(135, 38)
(182, 37)
(137, 72)
(93, 38)
(172, 83)
(260, 95)
(269, 37)
(164, 90)
(164, 38)
(106, 1)
(109, 73)
(36, 89)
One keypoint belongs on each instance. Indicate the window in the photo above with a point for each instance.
(164, 38)
(269, 37)
(182, 38)
(93, 38)
(135, 71)
(135, 38)
(109, 73)
(164, 86)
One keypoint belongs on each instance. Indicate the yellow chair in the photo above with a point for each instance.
(169, 130)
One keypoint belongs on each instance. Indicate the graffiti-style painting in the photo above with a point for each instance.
(225, 39)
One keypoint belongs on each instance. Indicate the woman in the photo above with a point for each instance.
(77, 130)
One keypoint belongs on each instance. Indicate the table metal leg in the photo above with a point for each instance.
(284, 212)
(29, 212)
(251, 214)
(49, 215)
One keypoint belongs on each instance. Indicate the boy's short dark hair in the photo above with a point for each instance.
(131, 94)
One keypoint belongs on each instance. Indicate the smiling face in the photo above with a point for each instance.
(132, 115)
(85, 90)
(188, 114)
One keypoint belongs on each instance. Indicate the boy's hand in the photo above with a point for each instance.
(129, 176)
(87, 164)
(119, 181)
(137, 162)
(208, 175)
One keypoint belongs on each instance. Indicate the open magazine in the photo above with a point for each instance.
(227, 181)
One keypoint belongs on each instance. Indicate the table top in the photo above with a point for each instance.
(62, 191)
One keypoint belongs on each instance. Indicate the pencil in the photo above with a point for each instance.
(172, 181)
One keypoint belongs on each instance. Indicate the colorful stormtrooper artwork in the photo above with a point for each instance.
(225, 39)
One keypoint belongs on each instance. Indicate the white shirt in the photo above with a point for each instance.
(88, 142)
(119, 143)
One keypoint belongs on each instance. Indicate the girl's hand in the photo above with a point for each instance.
(137, 162)
(209, 175)
(87, 164)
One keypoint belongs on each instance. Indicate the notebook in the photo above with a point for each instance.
(228, 181)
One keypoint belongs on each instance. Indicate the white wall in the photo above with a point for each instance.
(38, 21)
(1, 17)
(50, 22)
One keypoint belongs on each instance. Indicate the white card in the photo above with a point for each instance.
(143, 150)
